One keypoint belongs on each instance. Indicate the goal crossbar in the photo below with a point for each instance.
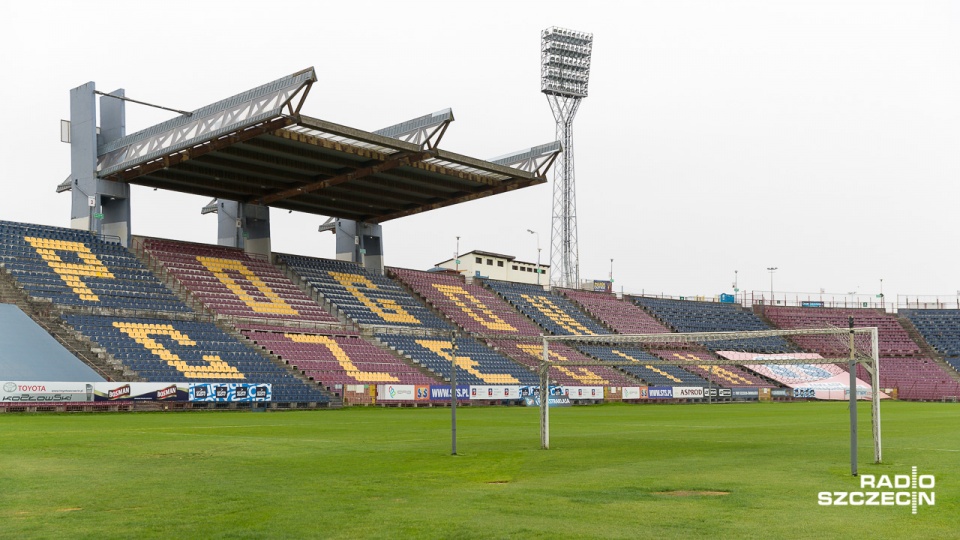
(870, 362)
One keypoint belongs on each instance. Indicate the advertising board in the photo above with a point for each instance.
(230, 392)
(45, 392)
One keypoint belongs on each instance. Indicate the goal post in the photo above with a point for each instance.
(861, 343)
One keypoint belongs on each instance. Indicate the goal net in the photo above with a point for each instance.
(819, 363)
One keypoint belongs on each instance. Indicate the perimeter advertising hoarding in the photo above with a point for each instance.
(660, 392)
(45, 392)
(396, 392)
(140, 391)
(442, 393)
(688, 392)
(230, 392)
(782, 392)
(422, 392)
(584, 392)
(496, 393)
(745, 393)
(630, 392)
(553, 401)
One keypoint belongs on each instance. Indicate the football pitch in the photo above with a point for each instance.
(613, 471)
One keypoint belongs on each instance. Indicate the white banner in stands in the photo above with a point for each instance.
(630, 392)
(45, 392)
(497, 393)
(396, 392)
(584, 392)
(688, 392)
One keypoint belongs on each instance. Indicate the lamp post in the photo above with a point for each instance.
(611, 273)
(736, 288)
(771, 269)
(456, 256)
(533, 232)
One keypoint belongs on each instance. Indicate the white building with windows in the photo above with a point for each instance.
(497, 266)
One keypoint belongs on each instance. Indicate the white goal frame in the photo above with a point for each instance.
(870, 362)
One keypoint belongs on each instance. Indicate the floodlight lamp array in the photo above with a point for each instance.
(565, 62)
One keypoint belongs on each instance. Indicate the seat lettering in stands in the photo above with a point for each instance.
(271, 302)
(547, 307)
(215, 368)
(385, 308)
(343, 358)
(582, 374)
(444, 349)
(473, 307)
(70, 273)
(648, 366)
(719, 371)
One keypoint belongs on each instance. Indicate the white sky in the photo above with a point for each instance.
(817, 137)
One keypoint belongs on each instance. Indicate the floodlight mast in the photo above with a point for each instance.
(564, 76)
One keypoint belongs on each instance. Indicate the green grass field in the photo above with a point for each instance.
(387, 473)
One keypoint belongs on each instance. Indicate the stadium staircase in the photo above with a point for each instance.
(46, 315)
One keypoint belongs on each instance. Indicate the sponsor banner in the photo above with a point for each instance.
(660, 392)
(602, 286)
(782, 392)
(724, 392)
(584, 392)
(422, 392)
(535, 390)
(630, 392)
(745, 393)
(553, 401)
(230, 392)
(442, 393)
(140, 391)
(45, 392)
(494, 393)
(688, 392)
(396, 392)
(811, 303)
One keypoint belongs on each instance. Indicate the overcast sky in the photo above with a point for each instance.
(719, 136)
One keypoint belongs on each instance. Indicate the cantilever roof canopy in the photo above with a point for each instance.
(257, 148)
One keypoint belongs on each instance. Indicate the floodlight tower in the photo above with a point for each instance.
(564, 74)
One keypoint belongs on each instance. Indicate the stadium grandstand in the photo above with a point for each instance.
(119, 308)
(480, 311)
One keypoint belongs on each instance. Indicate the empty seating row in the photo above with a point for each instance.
(476, 364)
(642, 365)
(939, 327)
(553, 312)
(894, 340)
(624, 317)
(184, 351)
(233, 283)
(367, 299)
(690, 316)
(338, 360)
(79, 268)
(568, 364)
(472, 307)
(915, 378)
(726, 376)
